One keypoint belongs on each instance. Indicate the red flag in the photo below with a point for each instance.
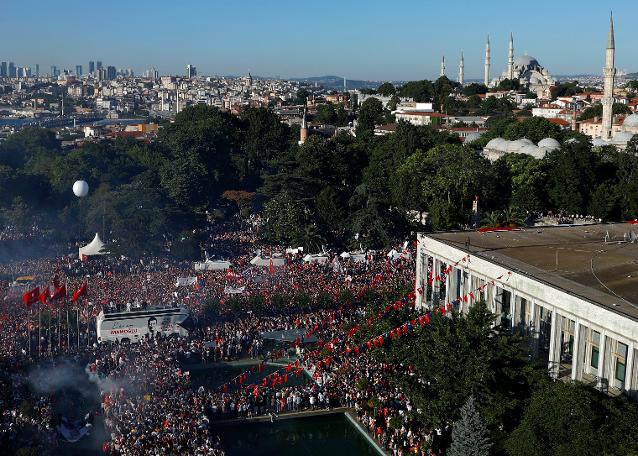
(79, 292)
(44, 295)
(31, 297)
(85, 258)
(58, 293)
(271, 267)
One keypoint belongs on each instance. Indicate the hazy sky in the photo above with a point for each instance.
(359, 39)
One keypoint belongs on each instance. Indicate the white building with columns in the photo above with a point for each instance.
(572, 290)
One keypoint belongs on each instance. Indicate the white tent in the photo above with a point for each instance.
(212, 265)
(345, 255)
(277, 260)
(316, 258)
(95, 247)
(394, 255)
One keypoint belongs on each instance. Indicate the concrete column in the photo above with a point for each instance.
(421, 272)
(533, 328)
(436, 285)
(447, 288)
(602, 348)
(515, 309)
(554, 345)
(629, 368)
(579, 351)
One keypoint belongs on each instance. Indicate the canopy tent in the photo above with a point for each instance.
(95, 247)
(277, 260)
(396, 255)
(316, 258)
(212, 265)
(294, 251)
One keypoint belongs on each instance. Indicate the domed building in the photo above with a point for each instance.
(498, 147)
(530, 74)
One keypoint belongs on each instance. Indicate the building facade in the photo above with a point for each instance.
(580, 329)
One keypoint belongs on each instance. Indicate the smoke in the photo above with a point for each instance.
(108, 384)
(64, 376)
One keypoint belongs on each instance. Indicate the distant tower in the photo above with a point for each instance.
(486, 69)
(510, 59)
(345, 87)
(442, 67)
(250, 79)
(303, 132)
(461, 70)
(609, 72)
(177, 100)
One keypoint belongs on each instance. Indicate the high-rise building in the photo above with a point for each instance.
(462, 70)
(3, 70)
(54, 71)
(37, 69)
(191, 71)
(12, 70)
(442, 72)
(91, 67)
(78, 70)
(98, 65)
(111, 72)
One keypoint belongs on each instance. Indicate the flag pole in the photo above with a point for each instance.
(29, 331)
(68, 331)
(77, 322)
(39, 329)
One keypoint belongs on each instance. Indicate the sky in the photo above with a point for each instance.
(359, 39)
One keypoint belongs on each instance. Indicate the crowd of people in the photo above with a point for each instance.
(149, 403)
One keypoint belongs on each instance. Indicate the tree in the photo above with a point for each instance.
(284, 220)
(470, 436)
(560, 420)
(386, 89)
(491, 219)
(419, 91)
(571, 177)
(370, 114)
(507, 84)
(534, 129)
(597, 110)
(474, 89)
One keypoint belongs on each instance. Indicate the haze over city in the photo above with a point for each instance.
(373, 40)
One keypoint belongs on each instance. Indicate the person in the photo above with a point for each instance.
(152, 326)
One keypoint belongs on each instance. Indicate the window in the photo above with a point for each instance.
(594, 357)
(620, 370)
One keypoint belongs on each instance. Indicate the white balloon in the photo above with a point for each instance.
(80, 188)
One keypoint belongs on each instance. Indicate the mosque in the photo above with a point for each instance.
(531, 75)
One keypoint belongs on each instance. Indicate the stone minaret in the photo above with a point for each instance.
(510, 59)
(442, 67)
(303, 132)
(461, 70)
(609, 72)
(486, 69)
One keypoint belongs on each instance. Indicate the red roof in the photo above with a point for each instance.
(561, 122)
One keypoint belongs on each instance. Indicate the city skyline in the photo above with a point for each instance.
(345, 41)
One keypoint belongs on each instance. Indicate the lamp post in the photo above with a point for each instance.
(80, 190)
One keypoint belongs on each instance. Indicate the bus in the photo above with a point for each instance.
(135, 325)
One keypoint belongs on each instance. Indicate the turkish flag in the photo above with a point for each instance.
(31, 297)
(271, 267)
(44, 296)
(79, 292)
(58, 293)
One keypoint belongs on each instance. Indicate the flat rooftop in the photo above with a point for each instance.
(598, 262)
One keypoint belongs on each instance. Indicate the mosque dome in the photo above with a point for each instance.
(516, 146)
(549, 143)
(473, 137)
(526, 61)
(622, 137)
(497, 144)
(631, 121)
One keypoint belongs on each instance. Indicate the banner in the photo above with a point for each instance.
(185, 281)
(233, 290)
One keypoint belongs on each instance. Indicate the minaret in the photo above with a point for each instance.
(609, 72)
(442, 67)
(486, 69)
(303, 132)
(461, 70)
(510, 59)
